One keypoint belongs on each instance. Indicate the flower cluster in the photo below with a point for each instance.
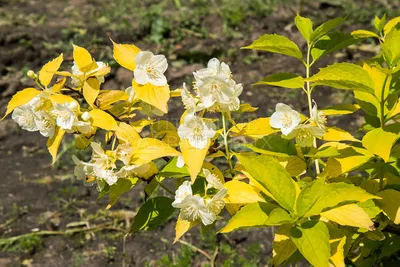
(289, 122)
(194, 208)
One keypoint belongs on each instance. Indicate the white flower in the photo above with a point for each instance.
(25, 118)
(84, 127)
(107, 175)
(235, 101)
(75, 71)
(183, 191)
(216, 204)
(214, 68)
(196, 130)
(285, 118)
(212, 180)
(131, 170)
(305, 134)
(101, 158)
(150, 68)
(45, 123)
(318, 117)
(82, 169)
(85, 116)
(194, 208)
(65, 115)
(190, 103)
(131, 93)
(180, 162)
(124, 153)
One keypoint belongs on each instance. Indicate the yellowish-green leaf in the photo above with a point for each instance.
(364, 34)
(276, 44)
(283, 79)
(391, 24)
(391, 48)
(83, 59)
(380, 142)
(122, 186)
(140, 124)
(390, 204)
(305, 26)
(333, 194)
(167, 132)
(156, 96)
(103, 120)
(272, 176)
(56, 88)
(242, 193)
(126, 133)
(294, 165)
(182, 227)
(91, 89)
(125, 55)
(274, 145)
(337, 134)
(54, 142)
(148, 149)
(343, 109)
(332, 42)
(283, 246)
(82, 142)
(193, 157)
(106, 99)
(344, 76)
(368, 102)
(312, 240)
(351, 215)
(21, 98)
(325, 27)
(308, 196)
(337, 252)
(379, 23)
(246, 108)
(47, 72)
(381, 80)
(255, 129)
(251, 215)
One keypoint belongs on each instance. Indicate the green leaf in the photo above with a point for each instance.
(274, 145)
(368, 102)
(171, 171)
(379, 23)
(324, 28)
(324, 152)
(283, 246)
(276, 44)
(120, 187)
(305, 26)
(344, 76)
(308, 196)
(391, 47)
(251, 215)
(272, 176)
(390, 203)
(332, 42)
(380, 142)
(333, 194)
(152, 213)
(278, 216)
(312, 240)
(370, 207)
(283, 79)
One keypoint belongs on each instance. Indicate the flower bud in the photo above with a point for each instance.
(31, 74)
(73, 105)
(85, 116)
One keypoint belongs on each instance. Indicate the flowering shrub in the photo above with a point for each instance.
(333, 197)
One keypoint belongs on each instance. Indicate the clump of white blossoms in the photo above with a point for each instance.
(76, 80)
(150, 68)
(197, 130)
(318, 117)
(194, 207)
(216, 88)
(285, 118)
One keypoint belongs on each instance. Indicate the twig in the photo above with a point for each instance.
(214, 257)
(196, 249)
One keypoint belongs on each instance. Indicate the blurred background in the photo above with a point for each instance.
(39, 202)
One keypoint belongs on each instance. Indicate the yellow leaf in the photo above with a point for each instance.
(294, 165)
(167, 132)
(193, 157)
(91, 89)
(182, 227)
(351, 215)
(147, 149)
(54, 142)
(21, 98)
(337, 252)
(147, 170)
(391, 24)
(83, 59)
(100, 72)
(390, 204)
(380, 142)
(242, 193)
(107, 98)
(126, 133)
(125, 55)
(58, 85)
(254, 129)
(103, 120)
(140, 124)
(156, 96)
(337, 134)
(283, 246)
(82, 142)
(47, 72)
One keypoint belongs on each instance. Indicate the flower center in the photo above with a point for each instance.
(286, 120)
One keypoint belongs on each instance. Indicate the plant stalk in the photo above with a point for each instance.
(227, 152)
